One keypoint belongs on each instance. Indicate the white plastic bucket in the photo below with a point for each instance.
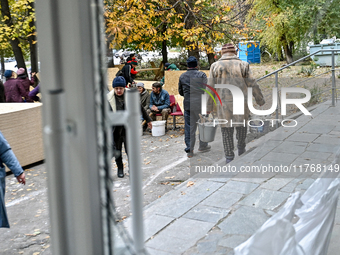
(158, 128)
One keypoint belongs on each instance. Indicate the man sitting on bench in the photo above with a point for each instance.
(159, 103)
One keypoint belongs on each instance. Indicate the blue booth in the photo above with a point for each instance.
(249, 51)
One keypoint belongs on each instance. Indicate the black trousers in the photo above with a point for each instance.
(119, 137)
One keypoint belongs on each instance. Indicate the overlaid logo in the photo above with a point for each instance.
(239, 99)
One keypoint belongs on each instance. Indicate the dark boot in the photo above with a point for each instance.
(120, 169)
(241, 151)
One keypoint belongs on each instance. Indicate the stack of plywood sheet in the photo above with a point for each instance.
(21, 124)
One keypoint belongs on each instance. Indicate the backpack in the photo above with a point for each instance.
(119, 73)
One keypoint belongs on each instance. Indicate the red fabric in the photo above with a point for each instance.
(133, 71)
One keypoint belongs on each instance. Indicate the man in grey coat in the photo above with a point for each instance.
(229, 69)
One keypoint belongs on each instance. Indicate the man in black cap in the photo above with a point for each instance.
(189, 86)
(116, 99)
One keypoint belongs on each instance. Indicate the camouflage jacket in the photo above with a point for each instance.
(229, 69)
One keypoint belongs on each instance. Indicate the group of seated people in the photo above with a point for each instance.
(16, 89)
(158, 102)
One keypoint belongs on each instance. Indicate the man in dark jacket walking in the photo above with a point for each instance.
(189, 86)
(116, 99)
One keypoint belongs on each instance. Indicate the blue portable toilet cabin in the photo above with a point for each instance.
(249, 51)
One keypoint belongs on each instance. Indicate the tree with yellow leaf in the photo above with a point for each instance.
(156, 24)
(17, 29)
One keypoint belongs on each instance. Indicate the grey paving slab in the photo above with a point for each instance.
(265, 199)
(318, 147)
(291, 147)
(206, 213)
(260, 178)
(158, 252)
(223, 180)
(233, 241)
(321, 109)
(188, 229)
(316, 128)
(334, 244)
(302, 137)
(222, 199)
(337, 216)
(280, 134)
(207, 246)
(312, 155)
(281, 158)
(328, 139)
(290, 187)
(239, 187)
(304, 185)
(155, 223)
(180, 235)
(244, 221)
(164, 243)
(276, 183)
(309, 162)
(335, 132)
(183, 199)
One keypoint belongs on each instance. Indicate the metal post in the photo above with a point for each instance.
(333, 79)
(277, 86)
(133, 140)
(68, 74)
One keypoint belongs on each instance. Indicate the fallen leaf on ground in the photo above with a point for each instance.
(147, 163)
(190, 183)
(165, 183)
(170, 177)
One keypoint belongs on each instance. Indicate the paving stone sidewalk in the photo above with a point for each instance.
(213, 215)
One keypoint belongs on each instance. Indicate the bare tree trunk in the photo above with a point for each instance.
(211, 58)
(14, 43)
(2, 65)
(164, 49)
(288, 49)
(109, 53)
(33, 46)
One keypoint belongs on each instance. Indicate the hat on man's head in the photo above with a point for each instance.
(192, 62)
(140, 84)
(8, 73)
(119, 81)
(229, 47)
(20, 71)
(167, 64)
(134, 62)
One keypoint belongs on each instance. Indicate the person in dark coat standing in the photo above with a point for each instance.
(116, 99)
(26, 83)
(14, 91)
(189, 86)
(7, 157)
(144, 98)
